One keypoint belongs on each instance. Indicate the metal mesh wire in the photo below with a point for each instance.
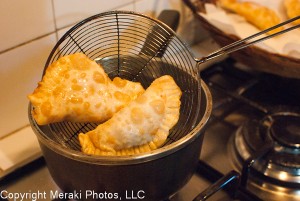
(137, 48)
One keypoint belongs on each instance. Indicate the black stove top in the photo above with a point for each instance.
(257, 116)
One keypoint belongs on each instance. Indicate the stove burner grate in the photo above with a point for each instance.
(267, 151)
(264, 114)
(285, 129)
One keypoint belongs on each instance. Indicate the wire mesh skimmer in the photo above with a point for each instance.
(139, 48)
(135, 47)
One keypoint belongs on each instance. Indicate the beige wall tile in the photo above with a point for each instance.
(20, 71)
(68, 12)
(24, 20)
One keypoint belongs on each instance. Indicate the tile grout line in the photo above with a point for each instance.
(14, 131)
(24, 43)
(54, 20)
(56, 29)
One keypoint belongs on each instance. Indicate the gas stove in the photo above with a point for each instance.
(254, 130)
(252, 137)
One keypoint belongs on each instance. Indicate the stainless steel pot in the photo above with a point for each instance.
(152, 176)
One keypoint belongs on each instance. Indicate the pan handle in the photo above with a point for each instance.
(170, 18)
(232, 176)
(156, 48)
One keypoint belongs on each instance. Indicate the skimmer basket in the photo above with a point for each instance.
(135, 47)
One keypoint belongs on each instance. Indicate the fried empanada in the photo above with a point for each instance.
(75, 88)
(256, 14)
(141, 126)
(292, 9)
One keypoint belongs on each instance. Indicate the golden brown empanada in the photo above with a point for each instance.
(141, 126)
(292, 9)
(75, 88)
(258, 15)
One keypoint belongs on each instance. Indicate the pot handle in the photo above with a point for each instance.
(154, 47)
(232, 176)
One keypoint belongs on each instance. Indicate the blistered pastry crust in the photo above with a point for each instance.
(75, 88)
(143, 125)
(292, 9)
(256, 14)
